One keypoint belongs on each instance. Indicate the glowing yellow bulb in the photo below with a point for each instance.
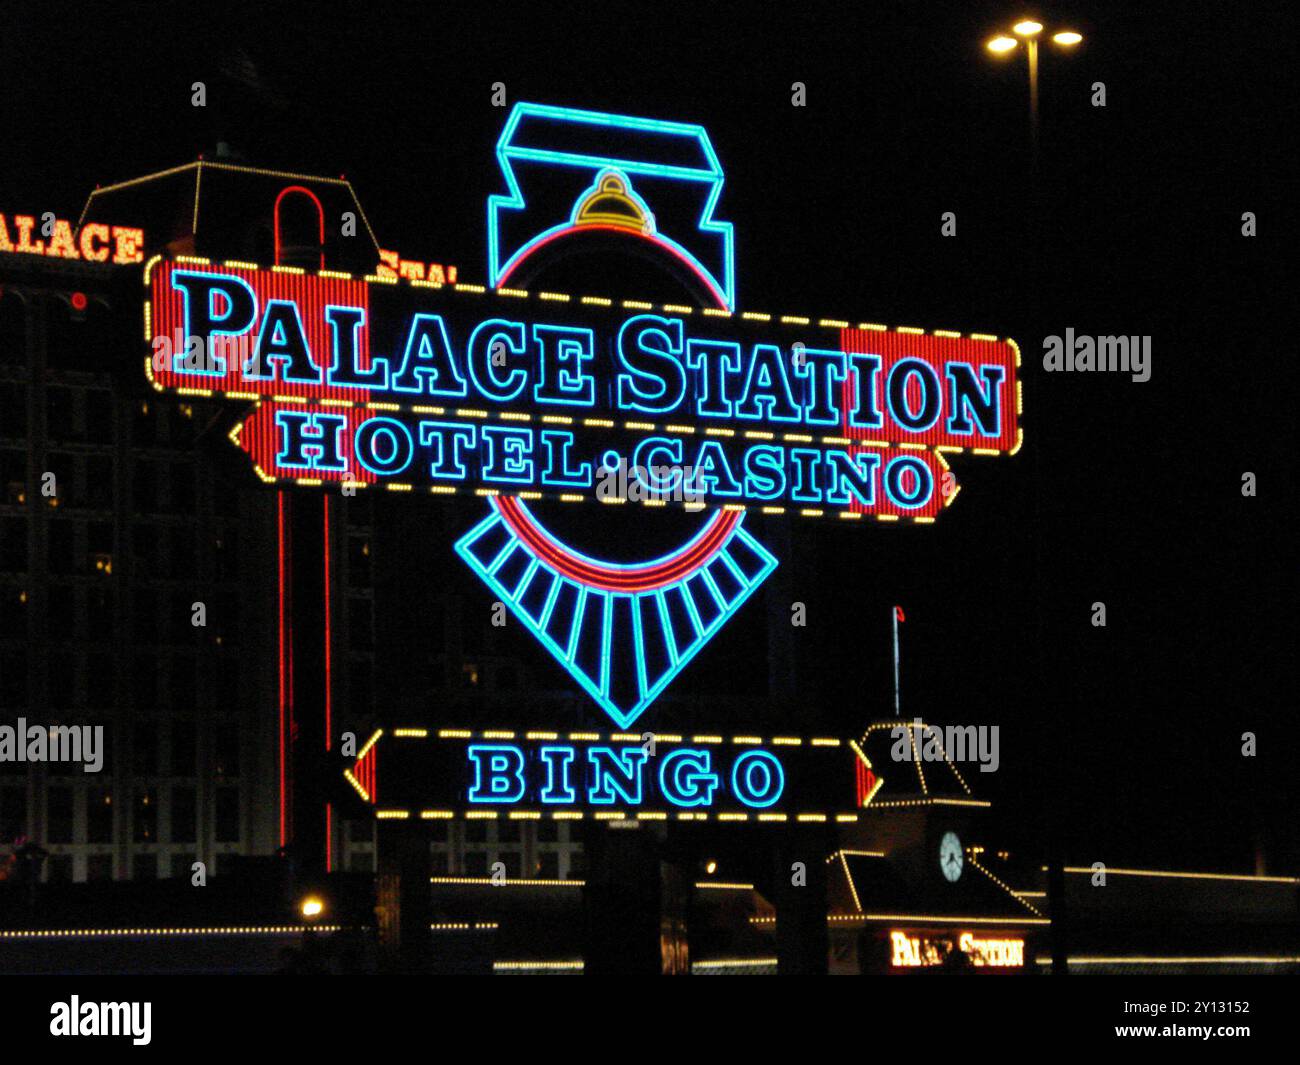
(1002, 44)
(1067, 37)
(1028, 28)
(311, 907)
(711, 868)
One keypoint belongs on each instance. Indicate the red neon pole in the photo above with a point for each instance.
(329, 695)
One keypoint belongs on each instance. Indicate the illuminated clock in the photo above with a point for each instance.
(951, 857)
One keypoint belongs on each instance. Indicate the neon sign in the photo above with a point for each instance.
(95, 242)
(600, 161)
(436, 387)
(528, 775)
(392, 265)
(921, 951)
(405, 381)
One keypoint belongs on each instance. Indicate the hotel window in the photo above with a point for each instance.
(13, 545)
(13, 664)
(106, 747)
(225, 555)
(227, 747)
(548, 866)
(144, 547)
(361, 635)
(61, 548)
(360, 509)
(100, 613)
(182, 488)
(183, 748)
(144, 747)
(145, 681)
(68, 338)
(60, 679)
(58, 869)
(99, 416)
(228, 495)
(184, 814)
(359, 560)
(145, 821)
(13, 809)
(99, 815)
(360, 685)
(13, 682)
(13, 408)
(66, 767)
(58, 413)
(145, 425)
(181, 423)
(60, 613)
(99, 867)
(101, 676)
(178, 628)
(145, 488)
(144, 866)
(64, 468)
(182, 554)
(182, 681)
(228, 683)
(58, 814)
(181, 630)
(13, 613)
(99, 481)
(476, 863)
(144, 615)
(13, 475)
(223, 617)
(227, 815)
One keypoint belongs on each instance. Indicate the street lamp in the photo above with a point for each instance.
(1030, 29)
(1003, 45)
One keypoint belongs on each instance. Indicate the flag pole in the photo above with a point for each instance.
(897, 614)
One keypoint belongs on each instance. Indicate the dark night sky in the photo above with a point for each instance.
(1126, 493)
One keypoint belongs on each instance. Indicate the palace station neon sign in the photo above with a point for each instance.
(522, 396)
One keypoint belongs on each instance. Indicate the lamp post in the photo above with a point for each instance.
(1030, 30)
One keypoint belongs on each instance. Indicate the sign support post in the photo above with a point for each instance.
(799, 896)
(304, 610)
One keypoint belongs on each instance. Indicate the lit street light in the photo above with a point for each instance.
(1030, 30)
(1003, 45)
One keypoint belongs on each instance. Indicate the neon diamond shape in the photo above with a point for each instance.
(622, 632)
